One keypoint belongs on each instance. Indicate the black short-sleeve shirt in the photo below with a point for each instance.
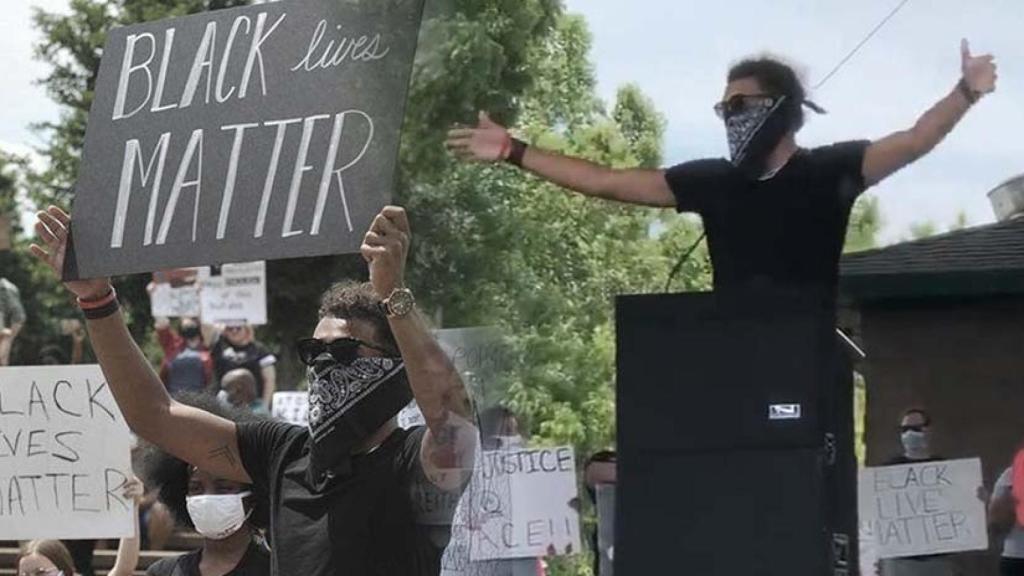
(254, 356)
(787, 231)
(371, 522)
(255, 562)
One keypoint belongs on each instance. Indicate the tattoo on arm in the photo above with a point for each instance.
(225, 453)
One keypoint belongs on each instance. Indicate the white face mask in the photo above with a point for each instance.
(217, 516)
(915, 444)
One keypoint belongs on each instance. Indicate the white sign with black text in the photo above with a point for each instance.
(923, 508)
(237, 295)
(531, 510)
(64, 455)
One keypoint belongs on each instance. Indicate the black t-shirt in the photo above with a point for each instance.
(381, 519)
(786, 231)
(255, 562)
(253, 356)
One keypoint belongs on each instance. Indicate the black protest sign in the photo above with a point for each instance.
(64, 455)
(262, 132)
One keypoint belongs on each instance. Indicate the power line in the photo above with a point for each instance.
(862, 43)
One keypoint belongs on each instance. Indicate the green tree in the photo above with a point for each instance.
(921, 230)
(865, 224)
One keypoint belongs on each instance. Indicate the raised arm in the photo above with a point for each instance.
(200, 438)
(490, 142)
(128, 548)
(449, 445)
(886, 156)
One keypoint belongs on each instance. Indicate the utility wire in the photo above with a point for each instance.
(862, 43)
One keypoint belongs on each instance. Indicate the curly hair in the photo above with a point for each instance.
(355, 300)
(775, 77)
(170, 475)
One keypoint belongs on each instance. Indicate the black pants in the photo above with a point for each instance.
(1011, 567)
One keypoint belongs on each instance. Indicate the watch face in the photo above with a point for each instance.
(401, 302)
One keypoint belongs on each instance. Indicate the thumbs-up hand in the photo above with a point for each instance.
(488, 142)
(979, 72)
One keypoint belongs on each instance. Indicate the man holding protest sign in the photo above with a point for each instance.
(341, 491)
(915, 438)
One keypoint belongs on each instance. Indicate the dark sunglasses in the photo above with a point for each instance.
(344, 350)
(912, 428)
(743, 102)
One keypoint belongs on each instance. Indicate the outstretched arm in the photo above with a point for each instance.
(449, 445)
(200, 438)
(490, 142)
(886, 156)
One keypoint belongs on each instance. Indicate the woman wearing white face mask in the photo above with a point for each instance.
(51, 557)
(220, 510)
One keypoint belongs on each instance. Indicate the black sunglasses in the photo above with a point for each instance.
(919, 428)
(741, 102)
(344, 350)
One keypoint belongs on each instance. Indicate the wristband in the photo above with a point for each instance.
(966, 90)
(99, 302)
(506, 148)
(515, 156)
(107, 309)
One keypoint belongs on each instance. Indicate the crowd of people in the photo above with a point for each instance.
(343, 494)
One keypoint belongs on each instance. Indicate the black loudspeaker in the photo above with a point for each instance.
(735, 438)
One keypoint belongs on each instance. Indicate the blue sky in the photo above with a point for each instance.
(677, 51)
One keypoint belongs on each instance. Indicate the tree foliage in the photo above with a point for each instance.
(491, 245)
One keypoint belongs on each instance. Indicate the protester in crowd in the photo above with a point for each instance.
(226, 513)
(915, 438)
(915, 430)
(187, 365)
(12, 318)
(499, 430)
(599, 470)
(1005, 525)
(237, 347)
(51, 557)
(776, 214)
(238, 389)
(340, 491)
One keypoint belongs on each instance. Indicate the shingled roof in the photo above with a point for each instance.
(975, 261)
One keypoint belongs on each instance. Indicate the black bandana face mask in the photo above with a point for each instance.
(348, 403)
(755, 131)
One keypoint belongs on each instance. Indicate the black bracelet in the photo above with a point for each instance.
(515, 157)
(103, 311)
(968, 93)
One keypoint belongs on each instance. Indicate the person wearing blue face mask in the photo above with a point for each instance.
(775, 213)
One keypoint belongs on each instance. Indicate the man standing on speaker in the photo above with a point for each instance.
(775, 213)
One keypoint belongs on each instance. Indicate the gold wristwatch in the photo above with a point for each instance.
(399, 303)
